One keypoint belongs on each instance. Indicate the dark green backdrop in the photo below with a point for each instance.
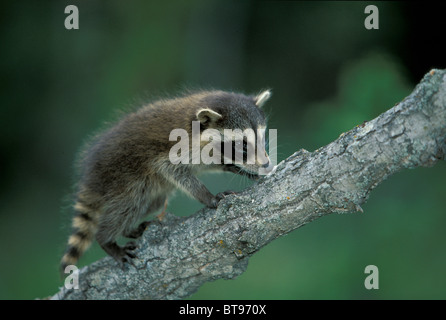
(328, 74)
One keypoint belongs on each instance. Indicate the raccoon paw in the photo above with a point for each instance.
(129, 250)
(223, 194)
(213, 202)
(121, 254)
(127, 254)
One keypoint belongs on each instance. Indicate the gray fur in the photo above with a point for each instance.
(125, 172)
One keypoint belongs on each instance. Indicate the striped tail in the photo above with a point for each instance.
(84, 230)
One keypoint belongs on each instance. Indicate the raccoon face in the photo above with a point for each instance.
(242, 125)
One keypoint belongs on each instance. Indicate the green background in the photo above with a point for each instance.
(328, 74)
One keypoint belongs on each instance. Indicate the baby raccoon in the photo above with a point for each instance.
(126, 172)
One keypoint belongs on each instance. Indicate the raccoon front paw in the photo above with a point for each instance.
(213, 203)
(223, 194)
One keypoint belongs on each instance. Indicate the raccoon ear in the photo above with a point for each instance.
(208, 116)
(262, 97)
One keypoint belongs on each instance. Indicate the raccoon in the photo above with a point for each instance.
(126, 172)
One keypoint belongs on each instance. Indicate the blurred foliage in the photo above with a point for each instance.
(328, 74)
(367, 87)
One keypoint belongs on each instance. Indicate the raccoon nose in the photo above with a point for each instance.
(266, 165)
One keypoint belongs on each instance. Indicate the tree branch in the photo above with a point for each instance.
(179, 255)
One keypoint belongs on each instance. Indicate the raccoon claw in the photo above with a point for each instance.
(127, 254)
(223, 194)
(130, 246)
(213, 203)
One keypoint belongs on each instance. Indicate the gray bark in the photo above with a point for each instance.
(179, 255)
